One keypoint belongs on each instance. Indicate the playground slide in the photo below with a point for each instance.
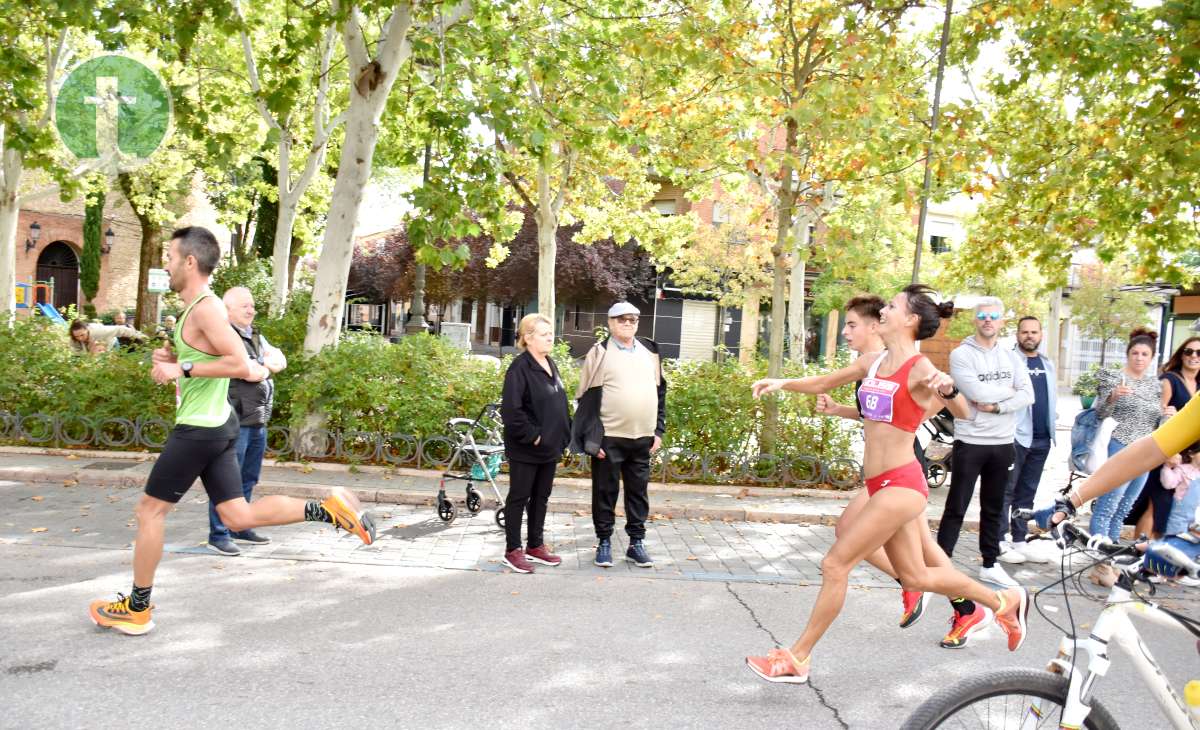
(51, 313)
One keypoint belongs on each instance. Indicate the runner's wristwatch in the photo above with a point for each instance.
(186, 367)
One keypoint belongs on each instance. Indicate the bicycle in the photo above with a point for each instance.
(1062, 695)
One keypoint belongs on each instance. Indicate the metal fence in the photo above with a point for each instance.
(428, 452)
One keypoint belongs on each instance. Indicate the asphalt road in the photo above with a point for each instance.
(300, 644)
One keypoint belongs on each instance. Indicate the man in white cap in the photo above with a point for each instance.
(619, 421)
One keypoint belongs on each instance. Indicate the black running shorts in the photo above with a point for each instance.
(182, 460)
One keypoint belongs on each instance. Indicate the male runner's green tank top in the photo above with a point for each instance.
(203, 402)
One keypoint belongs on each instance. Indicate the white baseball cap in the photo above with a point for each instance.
(621, 308)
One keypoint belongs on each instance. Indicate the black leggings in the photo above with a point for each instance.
(990, 464)
(528, 484)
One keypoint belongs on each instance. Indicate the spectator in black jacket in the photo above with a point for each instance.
(536, 430)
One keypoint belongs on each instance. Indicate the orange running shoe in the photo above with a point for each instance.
(348, 514)
(914, 607)
(118, 616)
(1013, 615)
(963, 627)
(780, 665)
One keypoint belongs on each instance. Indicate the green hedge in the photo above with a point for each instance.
(414, 387)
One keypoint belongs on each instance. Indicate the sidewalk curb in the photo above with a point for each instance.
(584, 483)
(74, 477)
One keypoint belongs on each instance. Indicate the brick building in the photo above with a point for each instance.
(56, 252)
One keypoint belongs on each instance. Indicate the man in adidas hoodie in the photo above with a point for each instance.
(999, 389)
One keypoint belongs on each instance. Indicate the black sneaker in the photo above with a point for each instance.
(251, 537)
(224, 547)
(637, 554)
(604, 553)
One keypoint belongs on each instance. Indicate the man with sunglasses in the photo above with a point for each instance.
(999, 389)
(619, 421)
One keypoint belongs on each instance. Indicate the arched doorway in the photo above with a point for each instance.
(59, 262)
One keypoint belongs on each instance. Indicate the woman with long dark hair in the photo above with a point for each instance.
(899, 387)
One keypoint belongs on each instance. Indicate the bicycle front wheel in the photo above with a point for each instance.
(1009, 699)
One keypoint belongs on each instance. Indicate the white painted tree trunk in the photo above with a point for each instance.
(547, 236)
(748, 342)
(10, 208)
(337, 247)
(281, 253)
(371, 82)
(797, 326)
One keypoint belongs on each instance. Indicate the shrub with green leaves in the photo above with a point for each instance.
(413, 387)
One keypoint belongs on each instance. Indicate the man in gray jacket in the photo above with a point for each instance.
(999, 390)
(1035, 436)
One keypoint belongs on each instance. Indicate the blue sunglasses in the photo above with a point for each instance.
(988, 315)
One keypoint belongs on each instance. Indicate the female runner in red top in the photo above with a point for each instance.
(899, 387)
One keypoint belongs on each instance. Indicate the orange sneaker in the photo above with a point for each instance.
(964, 626)
(118, 616)
(348, 514)
(1013, 615)
(780, 665)
(914, 607)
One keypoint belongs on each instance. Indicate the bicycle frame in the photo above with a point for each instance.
(1114, 625)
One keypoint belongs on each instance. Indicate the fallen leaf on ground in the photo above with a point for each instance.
(72, 457)
(744, 493)
(76, 529)
(40, 529)
(37, 498)
(69, 482)
(692, 557)
(516, 593)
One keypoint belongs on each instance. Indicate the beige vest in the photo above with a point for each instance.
(629, 404)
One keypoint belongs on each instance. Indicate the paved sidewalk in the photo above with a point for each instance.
(95, 517)
(419, 487)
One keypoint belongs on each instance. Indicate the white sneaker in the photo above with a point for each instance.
(998, 576)
(1010, 554)
(1039, 552)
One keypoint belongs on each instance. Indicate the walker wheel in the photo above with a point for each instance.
(474, 501)
(500, 516)
(935, 476)
(446, 510)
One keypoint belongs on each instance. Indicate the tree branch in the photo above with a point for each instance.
(53, 58)
(252, 70)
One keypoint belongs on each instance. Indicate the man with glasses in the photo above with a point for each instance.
(999, 389)
(1034, 437)
(619, 421)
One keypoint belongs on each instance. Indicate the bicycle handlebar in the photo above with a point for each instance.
(1158, 553)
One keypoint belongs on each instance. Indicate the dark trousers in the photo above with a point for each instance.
(251, 446)
(529, 488)
(1023, 485)
(628, 460)
(990, 465)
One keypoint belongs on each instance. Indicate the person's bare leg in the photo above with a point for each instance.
(933, 553)
(151, 514)
(904, 549)
(879, 558)
(239, 515)
(876, 523)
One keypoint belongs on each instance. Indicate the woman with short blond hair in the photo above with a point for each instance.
(536, 430)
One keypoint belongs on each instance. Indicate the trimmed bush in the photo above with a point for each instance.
(369, 385)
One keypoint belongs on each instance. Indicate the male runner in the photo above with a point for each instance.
(203, 443)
